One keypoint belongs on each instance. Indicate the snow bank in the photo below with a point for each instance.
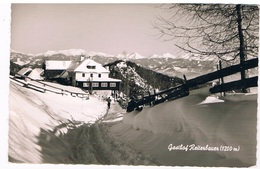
(31, 112)
(193, 131)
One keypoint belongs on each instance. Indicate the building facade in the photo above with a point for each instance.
(86, 74)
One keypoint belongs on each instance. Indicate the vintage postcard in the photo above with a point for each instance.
(136, 84)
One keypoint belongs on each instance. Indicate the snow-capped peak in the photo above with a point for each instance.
(121, 56)
(154, 56)
(197, 57)
(135, 56)
(130, 56)
(165, 55)
(72, 52)
(168, 55)
(92, 53)
(16, 51)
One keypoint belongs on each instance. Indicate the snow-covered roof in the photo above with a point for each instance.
(25, 70)
(36, 74)
(89, 65)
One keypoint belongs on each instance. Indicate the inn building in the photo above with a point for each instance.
(86, 74)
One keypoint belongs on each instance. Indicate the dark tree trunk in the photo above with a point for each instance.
(242, 53)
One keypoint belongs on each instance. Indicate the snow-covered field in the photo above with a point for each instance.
(31, 112)
(196, 130)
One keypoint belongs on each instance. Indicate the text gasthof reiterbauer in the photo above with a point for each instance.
(194, 147)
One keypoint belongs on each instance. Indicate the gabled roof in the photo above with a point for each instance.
(87, 65)
(24, 71)
(83, 67)
(73, 66)
(36, 74)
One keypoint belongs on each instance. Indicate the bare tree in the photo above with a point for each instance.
(226, 31)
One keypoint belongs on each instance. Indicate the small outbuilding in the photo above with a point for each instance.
(24, 72)
(36, 74)
(29, 73)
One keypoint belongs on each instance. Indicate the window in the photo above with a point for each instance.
(91, 67)
(85, 84)
(91, 75)
(103, 84)
(95, 85)
(83, 74)
(112, 85)
(99, 75)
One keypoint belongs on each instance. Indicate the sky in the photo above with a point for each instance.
(108, 28)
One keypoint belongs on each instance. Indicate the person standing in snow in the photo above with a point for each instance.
(108, 102)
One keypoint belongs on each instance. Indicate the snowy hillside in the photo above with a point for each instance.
(140, 80)
(134, 56)
(59, 129)
(20, 58)
(31, 112)
(198, 130)
(166, 55)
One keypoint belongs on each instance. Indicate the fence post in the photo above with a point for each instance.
(185, 79)
(185, 85)
(222, 78)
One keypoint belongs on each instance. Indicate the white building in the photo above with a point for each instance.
(86, 74)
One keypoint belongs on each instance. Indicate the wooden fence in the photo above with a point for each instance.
(183, 90)
(43, 87)
(222, 73)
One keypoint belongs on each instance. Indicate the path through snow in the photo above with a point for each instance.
(31, 112)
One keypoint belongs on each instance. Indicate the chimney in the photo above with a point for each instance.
(82, 57)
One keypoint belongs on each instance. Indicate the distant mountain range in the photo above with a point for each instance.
(189, 64)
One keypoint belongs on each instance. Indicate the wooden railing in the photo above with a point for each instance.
(43, 87)
(183, 90)
(222, 73)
